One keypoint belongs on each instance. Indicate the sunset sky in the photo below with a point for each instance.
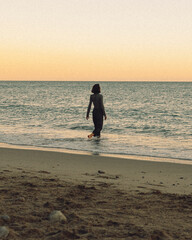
(98, 40)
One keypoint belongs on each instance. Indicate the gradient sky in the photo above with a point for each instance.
(96, 40)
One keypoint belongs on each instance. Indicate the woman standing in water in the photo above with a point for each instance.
(98, 112)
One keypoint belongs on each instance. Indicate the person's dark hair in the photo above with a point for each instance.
(96, 89)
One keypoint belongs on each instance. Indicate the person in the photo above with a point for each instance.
(98, 112)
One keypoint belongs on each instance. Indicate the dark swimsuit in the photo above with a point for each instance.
(98, 112)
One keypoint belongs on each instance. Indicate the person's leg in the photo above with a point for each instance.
(98, 122)
(95, 124)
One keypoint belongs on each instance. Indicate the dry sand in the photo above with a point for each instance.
(101, 197)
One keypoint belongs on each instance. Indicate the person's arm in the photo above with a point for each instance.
(89, 107)
(103, 108)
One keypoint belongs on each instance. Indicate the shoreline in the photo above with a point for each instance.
(125, 173)
(110, 155)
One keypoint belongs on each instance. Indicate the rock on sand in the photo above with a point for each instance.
(5, 218)
(4, 232)
(57, 216)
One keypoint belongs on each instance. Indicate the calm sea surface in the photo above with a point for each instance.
(150, 119)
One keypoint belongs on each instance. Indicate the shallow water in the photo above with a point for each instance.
(151, 119)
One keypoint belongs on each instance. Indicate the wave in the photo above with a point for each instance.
(85, 127)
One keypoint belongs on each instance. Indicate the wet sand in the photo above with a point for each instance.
(101, 197)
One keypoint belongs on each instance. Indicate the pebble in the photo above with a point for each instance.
(57, 216)
(21, 199)
(4, 232)
(5, 218)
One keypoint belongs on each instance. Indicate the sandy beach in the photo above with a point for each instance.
(101, 197)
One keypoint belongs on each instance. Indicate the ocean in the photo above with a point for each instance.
(151, 119)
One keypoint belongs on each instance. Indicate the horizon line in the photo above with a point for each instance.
(1, 80)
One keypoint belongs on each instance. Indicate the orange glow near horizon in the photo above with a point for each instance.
(103, 41)
(42, 65)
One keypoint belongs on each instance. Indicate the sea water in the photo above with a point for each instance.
(143, 118)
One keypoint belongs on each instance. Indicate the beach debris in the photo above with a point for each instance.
(112, 223)
(156, 192)
(42, 171)
(5, 218)
(21, 199)
(101, 172)
(4, 232)
(48, 205)
(57, 216)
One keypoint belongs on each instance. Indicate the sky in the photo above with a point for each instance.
(96, 40)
